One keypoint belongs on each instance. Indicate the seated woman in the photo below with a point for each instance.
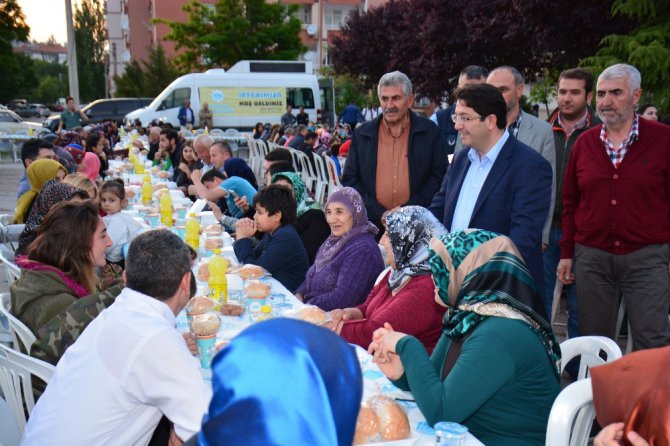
(187, 161)
(90, 167)
(495, 367)
(349, 261)
(59, 292)
(52, 193)
(248, 377)
(38, 172)
(405, 297)
(81, 181)
(311, 223)
(280, 251)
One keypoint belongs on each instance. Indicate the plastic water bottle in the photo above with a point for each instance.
(166, 209)
(218, 283)
(450, 434)
(193, 232)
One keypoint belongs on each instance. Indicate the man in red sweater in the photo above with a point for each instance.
(616, 216)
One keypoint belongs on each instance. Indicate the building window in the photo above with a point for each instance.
(304, 14)
(334, 18)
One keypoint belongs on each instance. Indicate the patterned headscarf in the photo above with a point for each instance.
(352, 200)
(409, 230)
(479, 274)
(53, 192)
(38, 173)
(305, 203)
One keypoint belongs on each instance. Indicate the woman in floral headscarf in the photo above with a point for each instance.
(405, 297)
(349, 261)
(495, 367)
(311, 223)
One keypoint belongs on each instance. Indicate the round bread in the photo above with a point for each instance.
(205, 324)
(251, 272)
(367, 426)
(232, 310)
(214, 229)
(393, 422)
(213, 243)
(155, 170)
(163, 174)
(203, 270)
(312, 314)
(199, 305)
(255, 289)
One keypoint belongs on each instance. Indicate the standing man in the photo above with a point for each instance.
(472, 74)
(71, 117)
(130, 366)
(302, 117)
(616, 216)
(350, 115)
(186, 116)
(499, 184)
(573, 117)
(287, 119)
(528, 129)
(398, 159)
(206, 116)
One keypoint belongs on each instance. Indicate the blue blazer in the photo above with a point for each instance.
(514, 201)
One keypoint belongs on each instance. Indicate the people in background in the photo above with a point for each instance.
(648, 111)
(38, 173)
(186, 116)
(33, 149)
(206, 115)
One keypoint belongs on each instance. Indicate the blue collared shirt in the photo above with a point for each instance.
(472, 185)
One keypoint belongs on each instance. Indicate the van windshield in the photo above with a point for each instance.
(300, 97)
(175, 99)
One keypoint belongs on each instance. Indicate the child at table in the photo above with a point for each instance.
(280, 251)
(121, 228)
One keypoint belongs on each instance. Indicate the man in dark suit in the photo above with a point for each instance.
(499, 184)
(397, 159)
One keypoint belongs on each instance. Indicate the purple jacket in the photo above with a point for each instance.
(346, 281)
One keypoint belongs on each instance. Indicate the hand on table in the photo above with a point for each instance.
(245, 228)
(242, 203)
(382, 347)
(564, 272)
(190, 343)
(612, 435)
(339, 316)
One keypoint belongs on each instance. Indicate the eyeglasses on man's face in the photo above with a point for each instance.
(464, 118)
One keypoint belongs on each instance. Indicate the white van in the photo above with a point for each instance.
(249, 92)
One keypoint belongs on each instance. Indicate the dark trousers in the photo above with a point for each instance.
(640, 278)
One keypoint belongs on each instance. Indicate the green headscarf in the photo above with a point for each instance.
(479, 274)
(305, 203)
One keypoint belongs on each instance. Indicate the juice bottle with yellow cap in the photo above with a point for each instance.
(166, 209)
(192, 232)
(218, 283)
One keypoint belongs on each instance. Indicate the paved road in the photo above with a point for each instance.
(10, 173)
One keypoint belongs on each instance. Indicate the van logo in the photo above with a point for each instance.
(218, 96)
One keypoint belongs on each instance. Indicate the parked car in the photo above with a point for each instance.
(11, 123)
(104, 110)
(33, 110)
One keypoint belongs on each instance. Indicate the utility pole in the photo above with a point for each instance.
(71, 54)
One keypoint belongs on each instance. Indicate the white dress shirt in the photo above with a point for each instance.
(472, 185)
(111, 387)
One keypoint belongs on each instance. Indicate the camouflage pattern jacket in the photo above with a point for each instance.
(56, 308)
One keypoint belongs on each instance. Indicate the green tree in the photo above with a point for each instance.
(90, 38)
(234, 30)
(147, 78)
(544, 90)
(50, 89)
(13, 27)
(647, 47)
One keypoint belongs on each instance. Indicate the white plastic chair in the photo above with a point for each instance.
(21, 335)
(321, 182)
(16, 371)
(11, 270)
(590, 348)
(255, 160)
(334, 182)
(572, 415)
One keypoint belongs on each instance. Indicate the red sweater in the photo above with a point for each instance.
(617, 210)
(412, 311)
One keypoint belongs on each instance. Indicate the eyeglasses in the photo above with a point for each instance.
(463, 118)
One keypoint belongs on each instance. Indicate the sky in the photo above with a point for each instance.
(45, 17)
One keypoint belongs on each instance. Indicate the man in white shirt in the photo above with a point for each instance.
(130, 366)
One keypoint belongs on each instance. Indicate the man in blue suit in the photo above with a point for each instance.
(499, 184)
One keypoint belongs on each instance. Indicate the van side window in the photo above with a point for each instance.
(175, 99)
(103, 108)
(300, 97)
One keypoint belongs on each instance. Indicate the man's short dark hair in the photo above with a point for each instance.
(281, 166)
(578, 74)
(279, 154)
(485, 99)
(68, 99)
(474, 72)
(311, 135)
(92, 140)
(157, 261)
(211, 174)
(301, 128)
(224, 147)
(170, 135)
(277, 198)
(31, 149)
